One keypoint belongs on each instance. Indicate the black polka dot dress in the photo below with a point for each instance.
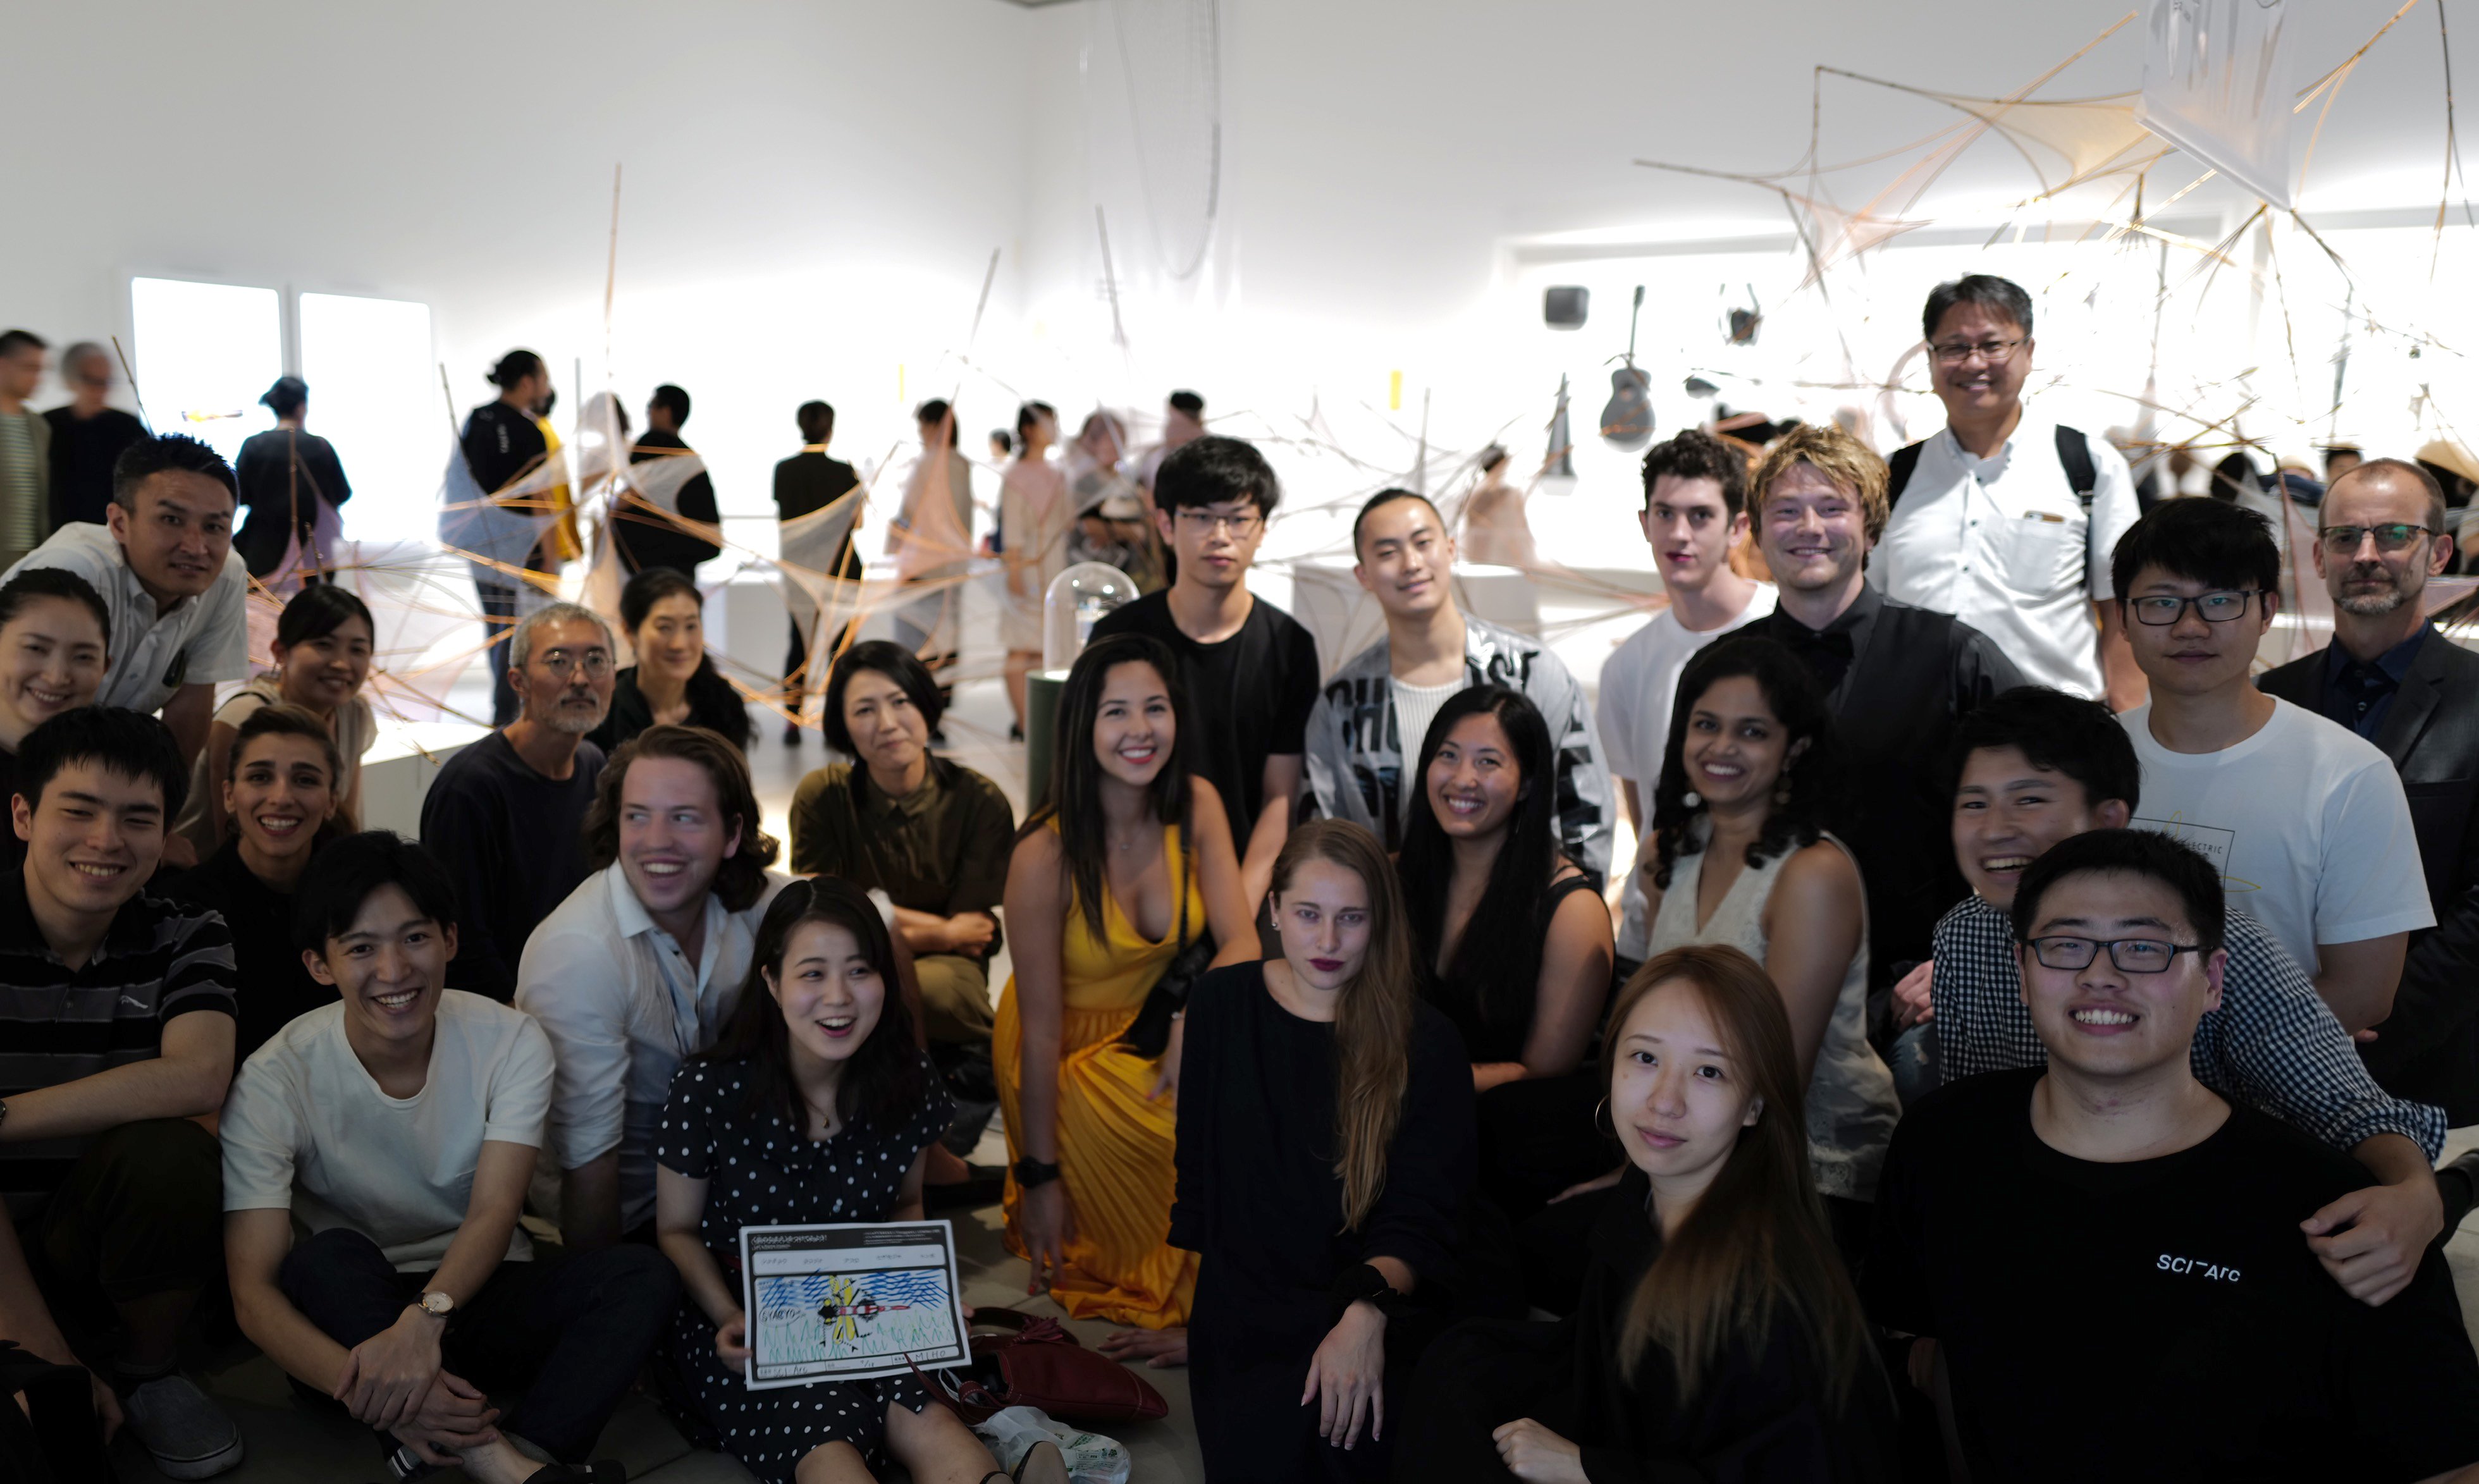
(761, 1171)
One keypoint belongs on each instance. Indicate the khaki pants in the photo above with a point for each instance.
(955, 998)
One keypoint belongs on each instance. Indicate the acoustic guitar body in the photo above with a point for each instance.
(1626, 422)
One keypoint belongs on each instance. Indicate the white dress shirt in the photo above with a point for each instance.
(2004, 543)
(624, 1007)
(196, 641)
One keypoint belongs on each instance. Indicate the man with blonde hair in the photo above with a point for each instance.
(1898, 679)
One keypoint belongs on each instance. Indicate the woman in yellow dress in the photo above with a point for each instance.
(1102, 878)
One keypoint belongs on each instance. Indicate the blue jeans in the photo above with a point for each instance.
(1913, 1063)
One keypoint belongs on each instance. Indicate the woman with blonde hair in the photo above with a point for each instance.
(1325, 1150)
(1717, 1335)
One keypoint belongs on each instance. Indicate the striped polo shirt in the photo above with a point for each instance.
(159, 960)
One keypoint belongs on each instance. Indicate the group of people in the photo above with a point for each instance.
(2014, 995)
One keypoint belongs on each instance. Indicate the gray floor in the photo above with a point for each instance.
(289, 1444)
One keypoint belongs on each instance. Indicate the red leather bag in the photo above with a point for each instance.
(1023, 1360)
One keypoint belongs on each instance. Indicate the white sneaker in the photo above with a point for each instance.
(188, 1435)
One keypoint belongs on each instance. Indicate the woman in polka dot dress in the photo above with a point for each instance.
(816, 1106)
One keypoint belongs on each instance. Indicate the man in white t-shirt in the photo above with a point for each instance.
(398, 1126)
(2305, 820)
(2007, 520)
(1695, 511)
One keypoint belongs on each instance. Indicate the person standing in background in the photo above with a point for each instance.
(503, 441)
(86, 436)
(2004, 519)
(662, 537)
(805, 484)
(1033, 538)
(930, 540)
(25, 447)
(1695, 511)
(290, 480)
(1183, 423)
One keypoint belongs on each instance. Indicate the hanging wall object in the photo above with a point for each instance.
(1626, 420)
(1560, 461)
(1566, 308)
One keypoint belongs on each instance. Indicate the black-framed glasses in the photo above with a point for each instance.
(1957, 353)
(2393, 536)
(561, 663)
(1206, 522)
(2159, 612)
(2130, 954)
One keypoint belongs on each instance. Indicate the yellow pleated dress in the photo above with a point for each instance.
(1114, 1141)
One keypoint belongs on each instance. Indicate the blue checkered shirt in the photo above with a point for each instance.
(2272, 1045)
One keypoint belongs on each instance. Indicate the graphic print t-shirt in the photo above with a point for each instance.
(2159, 1320)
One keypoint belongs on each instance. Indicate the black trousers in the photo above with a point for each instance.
(140, 1213)
(570, 1335)
(499, 621)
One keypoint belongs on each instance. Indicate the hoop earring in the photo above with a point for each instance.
(1601, 1123)
(1781, 795)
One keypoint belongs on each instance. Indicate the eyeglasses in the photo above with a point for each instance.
(1206, 523)
(2130, 954)
(2341, 540)
(1986, 349)
(2216, 607)
(561, 663)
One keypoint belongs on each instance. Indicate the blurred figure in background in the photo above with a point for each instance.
(932, 542)
(86, 436)
(25, 447)
(663, 536)
(292, 482)
(805, 485)
(1033, 538)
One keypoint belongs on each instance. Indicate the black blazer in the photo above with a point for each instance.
(2428, 1049)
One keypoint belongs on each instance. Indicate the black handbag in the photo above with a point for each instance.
(1148, 1036)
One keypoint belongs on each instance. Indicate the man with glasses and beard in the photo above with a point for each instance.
(2391, 678)
(506, 815)
(2002, 519)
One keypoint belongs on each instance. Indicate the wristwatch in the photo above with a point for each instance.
(1030, 1173)
(435, 1304)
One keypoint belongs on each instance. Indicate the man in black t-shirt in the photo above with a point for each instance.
(805, 483)
(87, 435)
(649, 535)
(2107, 1259)
(1249, 669)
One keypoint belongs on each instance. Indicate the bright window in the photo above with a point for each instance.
(374, 395)
(206, 353)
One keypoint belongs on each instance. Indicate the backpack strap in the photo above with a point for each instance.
(1899, 467)
(2074, 455)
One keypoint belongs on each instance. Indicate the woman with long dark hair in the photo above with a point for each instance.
(1741, 857)
(1719, 1335)
(674, 680)
(1513, 940)
(814, 1106)
(1129, 864)
(322, 657)
(1324, 1149)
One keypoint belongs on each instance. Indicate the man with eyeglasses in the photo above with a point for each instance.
(2106, 1255)
(2391, 678)
(1249, 669)
(2003, 519)
(506, 815)
(2305, 819)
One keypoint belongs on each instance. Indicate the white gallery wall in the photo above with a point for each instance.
(813, 190)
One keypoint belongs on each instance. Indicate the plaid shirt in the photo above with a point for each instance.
(2272, 1045)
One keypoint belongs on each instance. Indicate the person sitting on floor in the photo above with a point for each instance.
(2037, 767)
(54, 634)
(639, 968)
(817, 1106)
(322, 656)
(1325, 1151)
(280, 794)
(118, 1027)
(2108, 1227)
(1718, 1336)
(1513, 940)
(674, 680)
(929, 833)
(353, 1122)
(1129, 864)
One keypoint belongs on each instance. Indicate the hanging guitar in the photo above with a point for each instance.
(1626, 422)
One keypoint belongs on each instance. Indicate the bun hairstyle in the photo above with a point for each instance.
(286, 398)
(515, 366)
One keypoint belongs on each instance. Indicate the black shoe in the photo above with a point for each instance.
(792, 734)
(1016, 732)
(2457, 1184)
(982, 1188)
